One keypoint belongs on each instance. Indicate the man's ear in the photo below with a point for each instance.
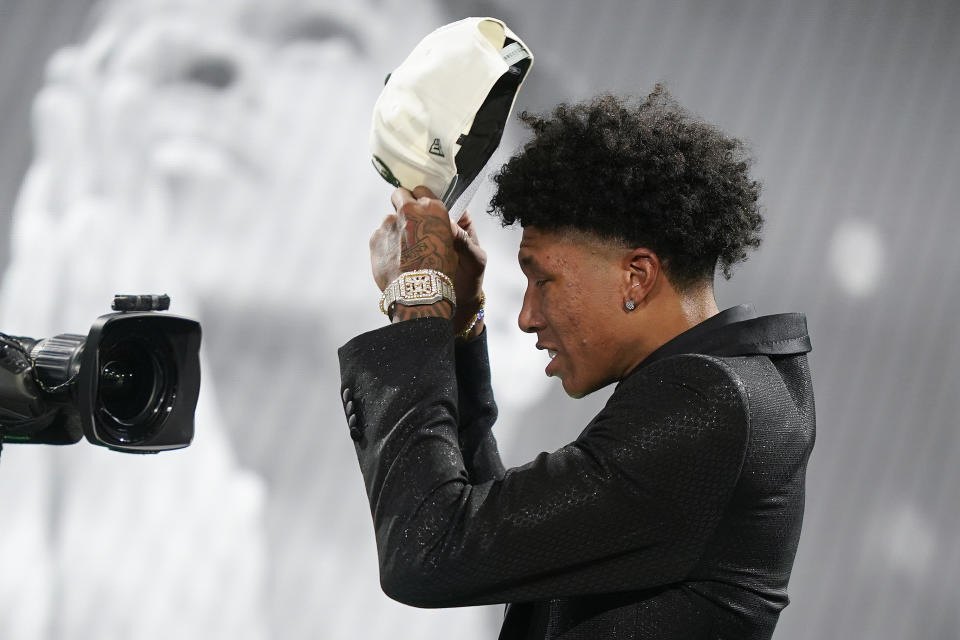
(641, 272)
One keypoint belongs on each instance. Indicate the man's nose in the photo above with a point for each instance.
(529, 319)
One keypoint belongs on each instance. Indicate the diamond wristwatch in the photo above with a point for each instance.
(423, 286)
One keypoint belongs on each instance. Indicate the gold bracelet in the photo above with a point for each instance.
(477, 317)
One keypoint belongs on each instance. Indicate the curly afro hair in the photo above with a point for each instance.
(649, 175)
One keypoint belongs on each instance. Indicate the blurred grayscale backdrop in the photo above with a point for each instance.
(225, 141)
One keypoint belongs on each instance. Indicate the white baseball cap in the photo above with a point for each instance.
(442, 112)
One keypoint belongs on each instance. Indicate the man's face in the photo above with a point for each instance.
(231, 133)
(574, 303)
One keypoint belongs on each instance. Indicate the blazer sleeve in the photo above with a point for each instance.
(629, 505)
(477, 411)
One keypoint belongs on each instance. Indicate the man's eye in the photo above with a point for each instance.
(539, 283)
(320, 29)
(216, 72)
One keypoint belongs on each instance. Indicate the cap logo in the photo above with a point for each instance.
(384, 171)
(436, 149)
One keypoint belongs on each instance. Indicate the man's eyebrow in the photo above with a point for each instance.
(528, 260)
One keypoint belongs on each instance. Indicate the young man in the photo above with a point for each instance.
(677, 512)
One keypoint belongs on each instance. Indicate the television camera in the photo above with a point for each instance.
(131, 384)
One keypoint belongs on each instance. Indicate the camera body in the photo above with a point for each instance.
(131, 384)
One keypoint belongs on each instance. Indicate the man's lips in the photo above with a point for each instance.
(552, 353)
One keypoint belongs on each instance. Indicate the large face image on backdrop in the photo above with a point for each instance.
(217, 152)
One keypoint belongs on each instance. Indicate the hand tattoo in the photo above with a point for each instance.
(424, 246)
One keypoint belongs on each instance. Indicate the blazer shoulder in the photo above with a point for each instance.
(706, 374)
(685, 386)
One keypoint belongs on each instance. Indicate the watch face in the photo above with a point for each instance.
(417, 287)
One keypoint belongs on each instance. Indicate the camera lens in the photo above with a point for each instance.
(133, 388)
(127, 388)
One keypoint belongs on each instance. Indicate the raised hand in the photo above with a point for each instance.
(468, 281)
(417, 236)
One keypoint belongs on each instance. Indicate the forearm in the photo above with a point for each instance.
(477, 410)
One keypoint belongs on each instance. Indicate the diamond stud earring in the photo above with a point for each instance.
(630, 305)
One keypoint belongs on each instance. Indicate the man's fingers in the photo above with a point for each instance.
(466, 223)
(460, 236)
(388, 225)
(423, 192)
(400, 197)
(421, 197)
(390, 222)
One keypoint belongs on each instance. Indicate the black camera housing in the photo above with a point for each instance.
(159, 415)
(131, 384)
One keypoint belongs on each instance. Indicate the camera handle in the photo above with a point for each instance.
(141, 303)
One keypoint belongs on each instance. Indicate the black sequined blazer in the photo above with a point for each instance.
(675, 514)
